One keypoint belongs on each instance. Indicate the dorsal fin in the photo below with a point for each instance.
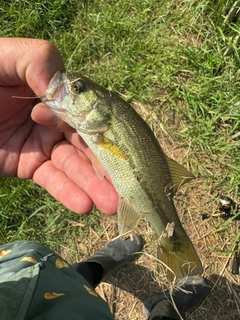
(179, 174)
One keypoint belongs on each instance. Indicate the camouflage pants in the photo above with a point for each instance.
(36, 283)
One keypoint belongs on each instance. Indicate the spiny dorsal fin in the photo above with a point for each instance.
(179, 174)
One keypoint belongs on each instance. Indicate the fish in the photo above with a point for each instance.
(125, 147)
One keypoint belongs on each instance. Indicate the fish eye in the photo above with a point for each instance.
(79, 86)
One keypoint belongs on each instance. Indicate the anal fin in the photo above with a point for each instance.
(128, 217)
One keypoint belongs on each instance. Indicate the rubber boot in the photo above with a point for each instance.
(111, 257)
(159, 306)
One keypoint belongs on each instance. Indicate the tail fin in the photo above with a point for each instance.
(179, 258)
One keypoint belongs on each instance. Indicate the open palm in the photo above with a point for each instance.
(34, 144)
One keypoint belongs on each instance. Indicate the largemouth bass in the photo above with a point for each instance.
(125, 147)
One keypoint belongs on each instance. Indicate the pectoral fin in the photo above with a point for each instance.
(128, 217)
(98, 167)
(111, 147)
(179, 174)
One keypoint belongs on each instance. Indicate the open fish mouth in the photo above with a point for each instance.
(62, 97)
(57, 88)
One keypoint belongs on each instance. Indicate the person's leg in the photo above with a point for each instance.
(92, 272)
(111, 257)
(188, 297)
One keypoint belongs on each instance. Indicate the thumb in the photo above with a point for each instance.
(28, 61)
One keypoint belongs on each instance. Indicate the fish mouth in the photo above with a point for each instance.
(61, 99)
(57, 88)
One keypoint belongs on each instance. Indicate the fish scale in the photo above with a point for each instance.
(125, 147)
(144, 193)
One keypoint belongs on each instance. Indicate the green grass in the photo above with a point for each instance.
(27, 212)
(172, 56)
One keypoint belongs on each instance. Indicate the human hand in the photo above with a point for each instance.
(29, 131)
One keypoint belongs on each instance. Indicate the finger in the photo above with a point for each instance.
(78, 168)
(30, 61)
(36, 149)
(62, 188)
(78, 142)
(44, 116)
